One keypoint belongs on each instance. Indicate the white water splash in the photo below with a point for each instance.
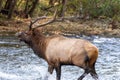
(9, 76)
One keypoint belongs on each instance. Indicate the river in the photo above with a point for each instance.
(18, 62)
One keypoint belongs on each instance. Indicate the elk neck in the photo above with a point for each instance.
(38, 44)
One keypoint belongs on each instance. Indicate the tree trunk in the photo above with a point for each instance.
(26, 9)
(63, 8)
(7, 4)
(34, 4)
(11, 8)
(51, 2)
(29, 8)
(1, 4)
(5, 10)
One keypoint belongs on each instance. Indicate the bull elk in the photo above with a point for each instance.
(58, 50)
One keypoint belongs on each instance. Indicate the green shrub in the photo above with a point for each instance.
(96, 8)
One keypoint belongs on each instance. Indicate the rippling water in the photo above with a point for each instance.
(17, 61)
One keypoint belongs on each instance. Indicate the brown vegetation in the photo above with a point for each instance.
(96, 17)
(79, 27)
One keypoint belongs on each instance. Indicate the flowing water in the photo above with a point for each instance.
(18, 62)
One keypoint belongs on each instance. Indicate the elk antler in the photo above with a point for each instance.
(31, 23)
(51, 21)
(43, 17)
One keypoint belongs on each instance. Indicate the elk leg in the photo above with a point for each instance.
(94, 74)
(58, 72)
(50, 69)
(87, 70)
(84, 74)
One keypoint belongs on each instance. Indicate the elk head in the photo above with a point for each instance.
(24, 36)
(27, 35)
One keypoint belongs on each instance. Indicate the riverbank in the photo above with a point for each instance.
(79, 27)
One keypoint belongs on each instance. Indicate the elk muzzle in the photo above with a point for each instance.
(19, 35)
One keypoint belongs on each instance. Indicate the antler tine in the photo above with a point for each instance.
(31, 23)
(43, 17)
(51, 21)
(30, 26)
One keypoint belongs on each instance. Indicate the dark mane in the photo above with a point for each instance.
(38, 44)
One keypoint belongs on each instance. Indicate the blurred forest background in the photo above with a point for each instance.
(79, 9)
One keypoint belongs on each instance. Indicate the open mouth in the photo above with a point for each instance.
(20, 39)
(18, 36)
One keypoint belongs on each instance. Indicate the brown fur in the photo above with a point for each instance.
(58, 50)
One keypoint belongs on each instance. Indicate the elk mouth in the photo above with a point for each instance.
(20, 39)
(18, 34)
